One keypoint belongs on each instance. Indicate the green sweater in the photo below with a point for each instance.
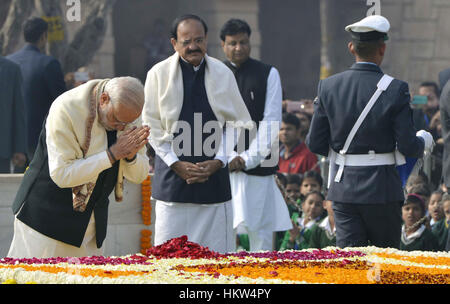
(320, 237)
(427, 241)
(440, 230)
(302, 241)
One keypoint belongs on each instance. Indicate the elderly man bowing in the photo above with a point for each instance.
(192, 92)
(91, 140)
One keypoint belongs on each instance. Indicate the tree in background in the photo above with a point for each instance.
(88, 35)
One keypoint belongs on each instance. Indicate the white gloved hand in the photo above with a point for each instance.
(427, 137)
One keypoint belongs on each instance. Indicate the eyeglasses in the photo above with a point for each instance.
(112, 118)
(118, 122)
(186, 43)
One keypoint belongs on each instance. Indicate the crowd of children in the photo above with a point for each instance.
(311, 214)
(425, 214)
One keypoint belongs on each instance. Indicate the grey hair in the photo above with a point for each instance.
(127, 91)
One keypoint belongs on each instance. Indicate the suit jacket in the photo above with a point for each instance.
(341, 99)
(43, 82)
(13, 134)
(444, 76)
(445, 122)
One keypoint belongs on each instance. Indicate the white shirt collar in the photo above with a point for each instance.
(366, 62)
(301, 222)
(325, 224)
(408, 239)
(432, 222)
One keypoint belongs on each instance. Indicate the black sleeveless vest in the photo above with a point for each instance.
(167, 185)
(251, 78)
(48, 209)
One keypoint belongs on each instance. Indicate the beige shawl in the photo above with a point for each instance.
(164, 97)
(82, 193)
(74, 128)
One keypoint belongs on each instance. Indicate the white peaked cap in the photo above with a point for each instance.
(371, 23)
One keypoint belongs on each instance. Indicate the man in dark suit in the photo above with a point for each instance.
(12, 118)
(43, 79)
(365, 186)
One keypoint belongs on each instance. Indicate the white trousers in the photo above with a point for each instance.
(259, 208)
(260, 240)
(28, 243)
(208, 225)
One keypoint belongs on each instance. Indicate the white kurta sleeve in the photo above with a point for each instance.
(151, 117)
(165, 152)
(226, 151)
(137, 170)
(65, 169)
(269, 127)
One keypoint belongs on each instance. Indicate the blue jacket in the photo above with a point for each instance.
(341, 99)
(43, 82)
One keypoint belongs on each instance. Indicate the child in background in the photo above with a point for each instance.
(415, 179)
(435, 208)
(415, 235)
(422, 190)
(281, 178)
(299, 237)
(446, 208)
(323, 234)
(290, 197)
(294, 201)
(312, 181)
(440, 228)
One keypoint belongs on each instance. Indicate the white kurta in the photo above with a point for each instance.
(28, 243)
(257, 201)
(208, 225)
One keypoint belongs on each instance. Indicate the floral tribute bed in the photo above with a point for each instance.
(181, 261)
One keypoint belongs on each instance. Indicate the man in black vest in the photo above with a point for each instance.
(91, 139)
(191, 186)
(364, 184)
(258, 206)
